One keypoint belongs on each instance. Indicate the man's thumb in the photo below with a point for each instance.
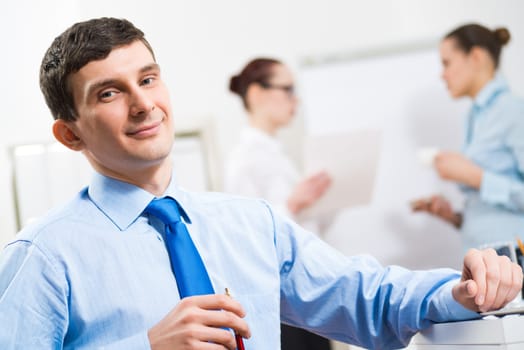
(464, 291)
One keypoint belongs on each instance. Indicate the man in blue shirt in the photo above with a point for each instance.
(96, 274)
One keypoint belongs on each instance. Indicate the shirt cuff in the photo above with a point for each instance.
(449, 308)
(494, 188)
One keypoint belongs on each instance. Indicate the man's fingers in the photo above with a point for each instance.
(216, 302)
(517, 277)
(471, 289)
(219, 310)
(206, 337)
(221, 336)
(475, 268)
(202, 322)
(229, 320)
(464, 293)
(492, 280)
(505, 282)
(467, 289)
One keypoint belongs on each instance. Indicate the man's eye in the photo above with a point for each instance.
(107, 94)
(147, 81)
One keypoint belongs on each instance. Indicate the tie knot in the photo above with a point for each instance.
(165, 209)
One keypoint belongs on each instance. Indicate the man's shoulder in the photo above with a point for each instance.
(59, 219)
(226, 204)
(222, 199)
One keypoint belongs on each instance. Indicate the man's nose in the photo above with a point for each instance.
(140, 103)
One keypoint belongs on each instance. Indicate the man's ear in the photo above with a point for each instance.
(64, 133)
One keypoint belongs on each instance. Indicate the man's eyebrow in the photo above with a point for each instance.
(150, 67)
(106, 82)
(100, 84)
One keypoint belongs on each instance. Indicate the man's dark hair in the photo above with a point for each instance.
(80, 44)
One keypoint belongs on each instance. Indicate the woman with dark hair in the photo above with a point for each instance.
(490, 169)
(258, 166)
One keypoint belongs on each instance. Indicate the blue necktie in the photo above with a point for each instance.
(186, 263)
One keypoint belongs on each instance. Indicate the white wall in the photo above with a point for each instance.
(201, 43)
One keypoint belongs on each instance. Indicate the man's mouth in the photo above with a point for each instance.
(144, 131)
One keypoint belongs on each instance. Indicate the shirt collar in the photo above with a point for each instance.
(174, 192)
(123, 202)
(492, 89)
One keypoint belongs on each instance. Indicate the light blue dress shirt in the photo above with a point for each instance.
(494, 140)
(95, 274)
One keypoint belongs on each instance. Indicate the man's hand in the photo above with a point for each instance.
(488, 282)
(198, 323)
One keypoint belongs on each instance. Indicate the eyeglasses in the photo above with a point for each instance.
(288, 89)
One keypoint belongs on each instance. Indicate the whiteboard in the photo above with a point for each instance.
(49, 174)
(400, 94)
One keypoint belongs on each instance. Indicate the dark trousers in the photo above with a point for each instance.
(299, 339)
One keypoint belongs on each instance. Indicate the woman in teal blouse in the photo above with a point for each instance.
(490, 169)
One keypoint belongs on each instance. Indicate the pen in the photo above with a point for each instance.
(238, 338)
(521, 246)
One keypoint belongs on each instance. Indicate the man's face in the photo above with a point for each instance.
(124, 115)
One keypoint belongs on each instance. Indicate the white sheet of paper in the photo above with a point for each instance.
(351, 159)
(426, 155)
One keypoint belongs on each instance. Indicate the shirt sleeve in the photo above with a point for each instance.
(355, 299)
(33, 302)
(500, 189)
(138, 341)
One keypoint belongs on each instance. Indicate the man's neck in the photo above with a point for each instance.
(155, 179)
